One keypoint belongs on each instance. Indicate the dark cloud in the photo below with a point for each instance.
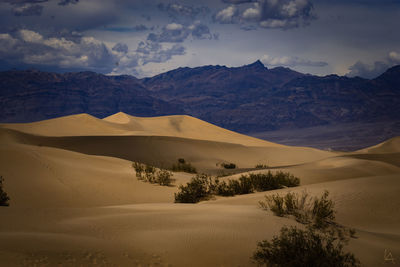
(17, 2)
(119, 47)
(177, 33)
(67, 2)
(288, 61)
(275, 14)
(370, 71)
(136, 28)
(163, 55)
(27, 10)
(177, 10)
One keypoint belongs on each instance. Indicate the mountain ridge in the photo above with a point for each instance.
(246, 99)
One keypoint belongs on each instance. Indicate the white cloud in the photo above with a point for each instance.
(290, 61)
(375, 69)
(226, 15)
(174, 27)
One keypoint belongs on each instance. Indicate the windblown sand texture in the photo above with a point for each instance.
(75, 200)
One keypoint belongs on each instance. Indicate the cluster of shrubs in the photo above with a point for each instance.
(3, 195)
(183, 166)
(152, 175)
(203, 187)
(320, 244)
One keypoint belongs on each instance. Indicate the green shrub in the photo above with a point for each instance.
(261, 166)
(164, 177)
(182, 166)
(318, 211)
(295, 247)
(139, 169)
(152, 175)
(229, 165)
(4, 199)
(199, 188)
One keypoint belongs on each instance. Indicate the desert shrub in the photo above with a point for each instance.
(287, 179)
(241, 186)
(139, 169)
(223, 189)
(182, 166)
(152, 174)
(261, 166)
(319, 211)
(4, 199)
(229, 165)
(199, 188)
(164, 177)
(323, 211)
(295, 247)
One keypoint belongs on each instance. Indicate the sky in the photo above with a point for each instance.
(147, 37)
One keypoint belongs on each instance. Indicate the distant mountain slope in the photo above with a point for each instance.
(253, 98)
(27, 96)
(247, 99)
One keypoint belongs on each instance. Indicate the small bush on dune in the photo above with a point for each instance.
(164, 177)
(229, 165)
(183, 166)
(319, 211)
(152, 175)
(4, 199)
(295, 247)
(199, 188)
(261, 166)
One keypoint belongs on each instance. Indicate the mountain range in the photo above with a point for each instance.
(247, 99)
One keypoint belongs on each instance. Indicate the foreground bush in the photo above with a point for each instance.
(4, 199)
(183, 166)
(203, 186)
(319, 211)
(296, 248)
(153, 175)
(199, 188)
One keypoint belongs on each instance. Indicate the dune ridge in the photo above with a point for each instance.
(75, 198)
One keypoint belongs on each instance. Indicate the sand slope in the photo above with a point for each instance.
(75, 199)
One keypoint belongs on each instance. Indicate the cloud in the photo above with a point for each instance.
(17, 2)
(226, 15)
(67, 2)
(119, 47)
(27, 10)
(27, 47)
(176, 10)
(370, 71)
(136, 28)
(272, 14)
(290, 61)
(177, 33)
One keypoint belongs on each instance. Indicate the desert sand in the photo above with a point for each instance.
(75, 200)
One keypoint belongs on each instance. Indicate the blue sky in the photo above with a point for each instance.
(147, 37)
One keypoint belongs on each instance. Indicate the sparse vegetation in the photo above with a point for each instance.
(296, 247)
(229, 165)
(321, 244)
(199, 188)
(183, 166)
(153, 175)
(261, 166)
(246, 184)
(318, 211)
(4, 198)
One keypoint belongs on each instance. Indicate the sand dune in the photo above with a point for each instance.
(75, 199)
